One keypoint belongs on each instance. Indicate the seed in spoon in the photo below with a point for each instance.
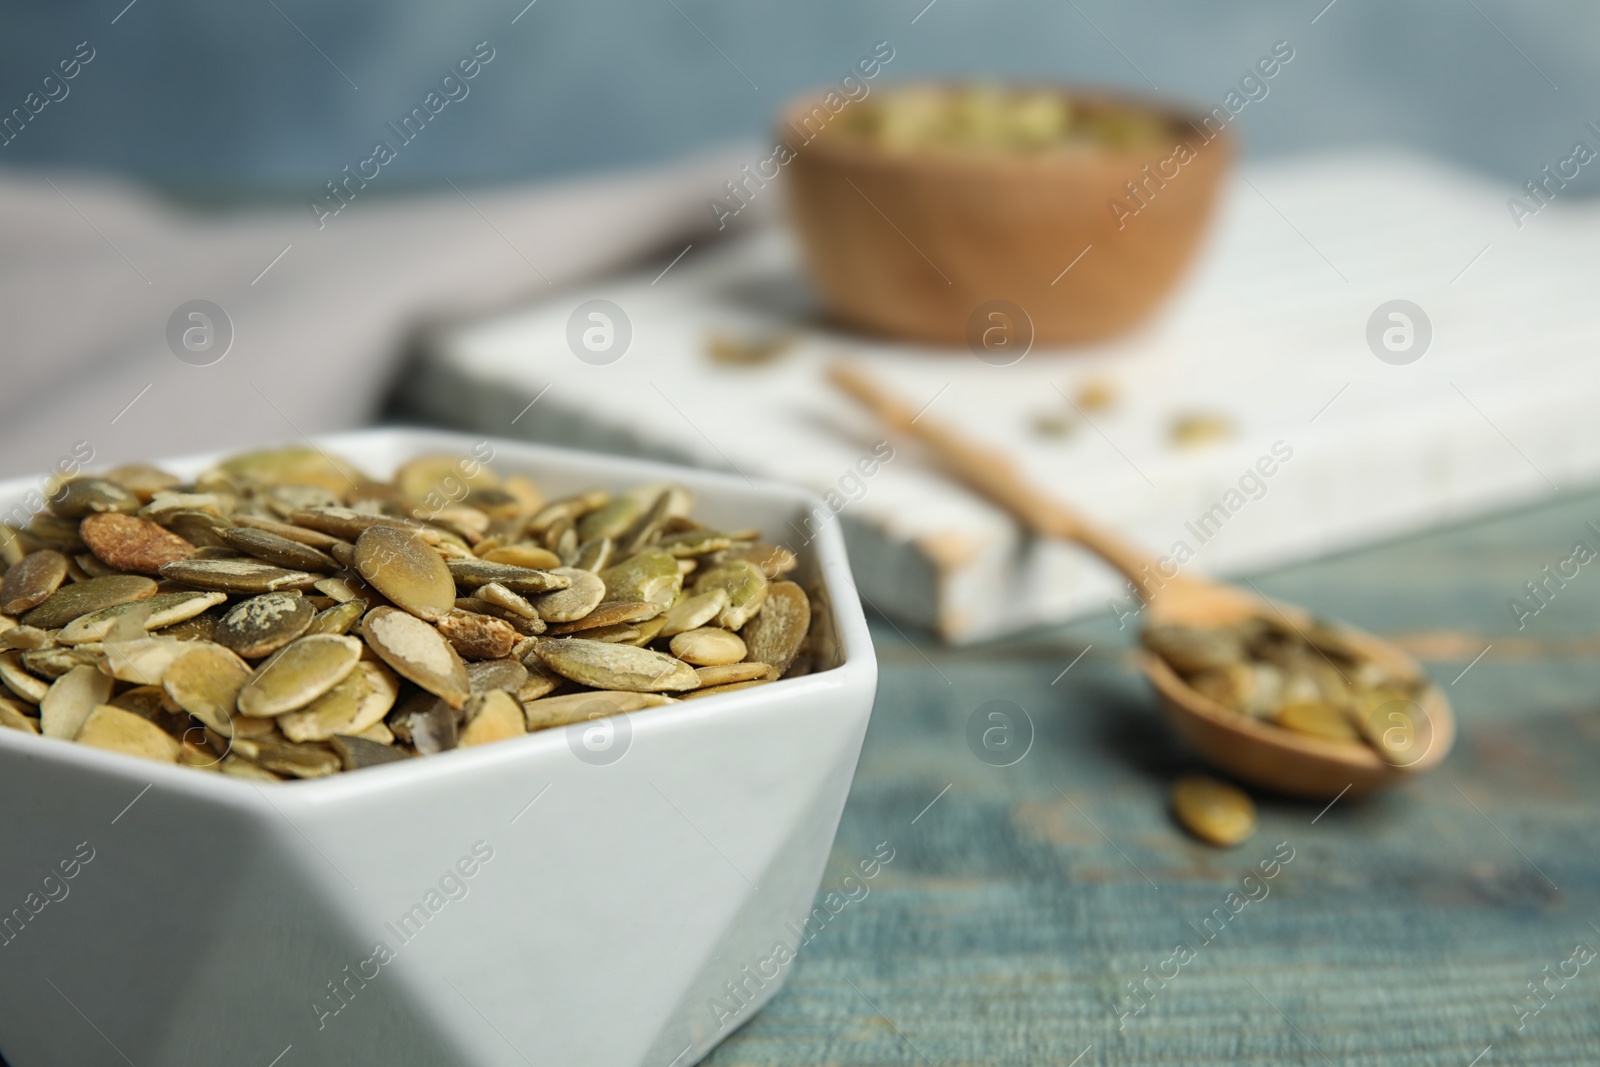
(1214, 811)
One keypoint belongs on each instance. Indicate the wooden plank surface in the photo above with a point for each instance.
(1403, 932)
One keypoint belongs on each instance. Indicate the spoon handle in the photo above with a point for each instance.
(994, 475)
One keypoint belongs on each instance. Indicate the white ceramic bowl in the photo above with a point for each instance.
(534, 906)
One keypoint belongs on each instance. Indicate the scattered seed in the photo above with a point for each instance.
(1215, 812)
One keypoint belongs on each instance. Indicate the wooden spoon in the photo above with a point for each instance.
(1258, 752)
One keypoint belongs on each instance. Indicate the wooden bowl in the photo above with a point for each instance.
(915, 244)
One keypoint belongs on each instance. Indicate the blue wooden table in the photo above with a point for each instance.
(1033, 914)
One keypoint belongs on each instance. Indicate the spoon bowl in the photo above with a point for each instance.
(1250, 749)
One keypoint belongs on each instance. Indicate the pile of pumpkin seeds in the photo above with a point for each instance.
(284, 615)
(1313, 680)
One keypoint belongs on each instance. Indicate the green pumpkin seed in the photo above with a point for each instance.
(778, 630)
(278, 550)
(615, 666)
(297, 674)
(235, 575)
(611, 520)
(492, 716)
(18, 680)
(358, 752)
(89, 496)
(31, 582)
(358, 703)
(693, 611)
(523, 554)
(501, 597)
(731, 687)
(54, 662)
(417, 652)
(651, 576)
(595, 554)
(116, 730)
(69, 701)
(579, 707)
(71, 601)
(205, 682)
(728, 673)
(401, 566)
(12, 717)
(144, 660)
(349, 524)
(287, 757)
(339, 618)
(575, 601)
(263, 624)
(610, 613)
(427, 723)
(505, 673)
(289, 532)
(745, 584)
(475, 572)
(164, 609)
(690, 544)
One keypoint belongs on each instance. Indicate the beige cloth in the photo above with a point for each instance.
(92, 270)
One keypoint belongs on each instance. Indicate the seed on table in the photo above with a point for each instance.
(164, 609)
(130, 543)
(13, 717)
(746, 586)
(338, 619)
(615, 666)
(297, 674)
(263, 624)
(277, 549)
(70, 699)
(728, 673)
(88, 496)
(492, 716)
(708, 647)
(18, 680)
(575, 601)
(417, 652)
(31, 582)
(1214, 811)
(478, 636)
(775, 635)
(578, 707)
(205, 682)
(69, 602)
(401, 566)
(116, 730)
(475, 572)
(359, 752)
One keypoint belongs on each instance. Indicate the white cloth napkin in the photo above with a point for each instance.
(91, 271)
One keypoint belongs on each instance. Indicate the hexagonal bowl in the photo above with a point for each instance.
(510, 904)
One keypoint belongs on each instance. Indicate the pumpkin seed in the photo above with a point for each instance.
(443, 475)
(427, 723)
(13, 717)
(68, 603)
(614, 666)
(28, 637)
(116, 730)
(54, 662)
(522, 624)
(143, 480)
(238, 767)
(524, 554)
(90, 496)
(338, 619)
(348, 524)
(70, 699)
(401, 566)
(610, 613)
(595, 554)
(205, 682)
(278, 550)
(728, 688)
(287, 757)
(357, 752)
(728, 673)
(745, 584)
(475, 572)
(1190, 649)
(487, 674)
(477, 636)
(417, 652)
(359, 702)
(492, 716)
(297, 674)
(31, 582)
(651, 576)
(516, 603)
(575, 601)
(708, 647)
(263, 624)
(235, 575)
(130, 543)
(18, 680)
(578, 707)
(143, 661)
(774, 560)
(775, 635)
(163, 609)
(1317, 720)
(610, 520)
(290, 532)
(1215, 812)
